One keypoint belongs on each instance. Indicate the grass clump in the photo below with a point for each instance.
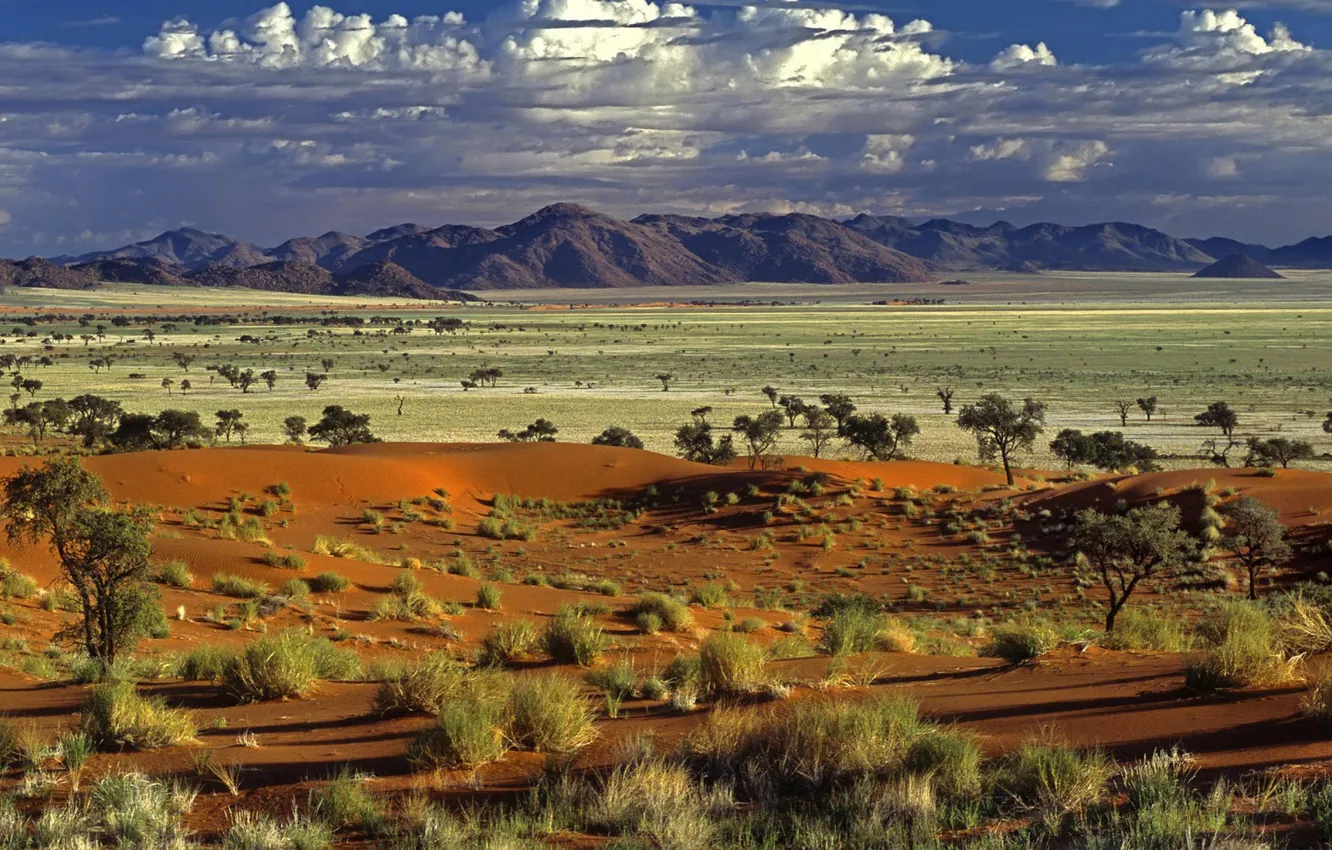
(289, 561)
(488, 597)
(1241, 649)
(203, 663)
(1147, 631)
(1055, 779)
(421, 687)
(507, 642)
(175, 574)
(854, 629)
(117, 715)
(339, 548)
(732, 665)
(1020, 642)
(549, 715)
(572, 637)
(286, 665)
(660, 611)
(330, 582)
(468, 732)
(239, 587)
(659, 801)
(710, 595)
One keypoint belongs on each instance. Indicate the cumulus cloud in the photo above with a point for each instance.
(291, 123)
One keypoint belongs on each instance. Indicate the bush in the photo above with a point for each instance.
(1317, 702)
(618, 680)
(421, 687)
(1054, 778)
(117, 715)
(672, 614)
(488, 597)
(1147, 631)
(289, 561)
(285, 666)
(549, 715)
(507, 642)
(175, 574)
(14, 584)
(657, 800)
(571, 637)
(338, 548)
(241, 588)
(204, 663)
(732, 665)
(251, 831)
(1241, 650)
(710, 595)
(855, 629)
(1018, 643)
(467, 733)
(329, 583)
(347, 801)
(951, 758)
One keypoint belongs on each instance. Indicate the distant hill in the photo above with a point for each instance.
(1238, 267)
(571, 246)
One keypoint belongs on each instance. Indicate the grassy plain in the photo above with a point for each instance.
(1076, 341)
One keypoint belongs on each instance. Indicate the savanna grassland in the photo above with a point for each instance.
(585, 368)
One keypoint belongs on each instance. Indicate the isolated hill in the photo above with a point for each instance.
(389, 280)
(36, 271)
(279, 276)
(1238, 267)
(328, 250)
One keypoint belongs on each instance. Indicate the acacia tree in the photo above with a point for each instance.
(619, 437)
(540, 431)
(793, 406)
(760, 434)
(226, 423)
(879, 437)
(1219, 415)
(103, 553)
(665, 378)
(820, 429)
(1257, 537)
(1002, 429)
(1123, 406)
(1127, 549)
(771, 393)
(340, 427)
(1277, 450)
(839, 406)
(294, 427)
(1148, 406)
(694, 441)
(945, 395)
(1327, 423)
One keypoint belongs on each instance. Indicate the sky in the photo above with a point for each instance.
(120, 119)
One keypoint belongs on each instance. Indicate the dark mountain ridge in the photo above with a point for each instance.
(570, 246)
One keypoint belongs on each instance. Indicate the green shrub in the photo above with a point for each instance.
(338, 548)
(284, 666)
(1240, 650)
(467, 733)
(421, 687)
(347, 801)
(117, 715)
(204, 663)
(329, 583)
(241, 588)
(488, 597)
(572, 637)
(619, 680)
(9, 742)
(246, 529)
(855, 629)
(732, 665)
(289, 561)
(1054, 778)
(951, 758)
(295, 589)
(1020, 642)
(506, 642)
(175, 574)
(660, 801)
(14, 584)
(710, 595)
(671, 613)
(1147, 631)
(549, 715)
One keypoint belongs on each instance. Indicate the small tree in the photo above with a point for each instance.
(167, 384)
(1148, 406)
(1122, 407)
(1327, 423)
(771, 393)
(185, 386)
(820, 429)
(619, 437)
(1277, 450)
(694, 441)
(294, 427)
(1107, 450)
(760, 434)
(226, 423)
(665, 378)
(314, 380)
(1001, 428)
(879, 437)
(945, 395)
(839, 406)
(269, 378)
(340, 427)
(793, 406)
(1257, 537)
(1127, 549)
(174, 428)
(540, 431)
(103, 553)
(1219, 415)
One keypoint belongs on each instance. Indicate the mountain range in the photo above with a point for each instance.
(570, 246)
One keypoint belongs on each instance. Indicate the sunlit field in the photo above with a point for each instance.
(586, 368)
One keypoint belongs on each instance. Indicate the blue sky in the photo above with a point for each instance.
(267, 121)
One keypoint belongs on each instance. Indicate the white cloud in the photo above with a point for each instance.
(1019, 55)
(886, 153)
(1070, 164)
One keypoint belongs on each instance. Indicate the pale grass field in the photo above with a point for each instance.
(1076, 341)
